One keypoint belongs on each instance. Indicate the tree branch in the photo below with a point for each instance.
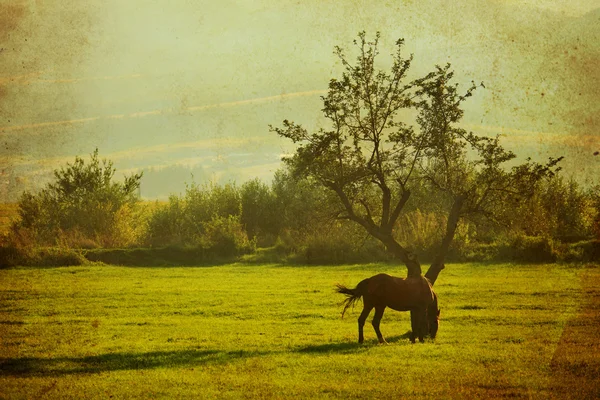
(396, 213)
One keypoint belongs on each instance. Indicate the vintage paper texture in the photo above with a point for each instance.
(179, 87)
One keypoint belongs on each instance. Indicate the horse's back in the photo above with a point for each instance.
(400, 294)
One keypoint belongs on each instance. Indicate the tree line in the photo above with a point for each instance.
(371, 184)
(295, 219)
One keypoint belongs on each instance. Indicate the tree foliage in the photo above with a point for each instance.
(83, 199)
(558, 209)
(206, 216)
(259, 215)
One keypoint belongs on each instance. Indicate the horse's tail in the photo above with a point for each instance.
(352, 295)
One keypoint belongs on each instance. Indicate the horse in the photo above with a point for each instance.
(414, 294)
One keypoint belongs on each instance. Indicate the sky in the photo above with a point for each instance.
(186, 90)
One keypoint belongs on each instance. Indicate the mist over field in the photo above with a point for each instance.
(180, 88)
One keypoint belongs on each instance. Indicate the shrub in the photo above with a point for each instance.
(194, 219)
(328, 248)
(58, 257)
(259, 214)
(289, 242)
(83, 204)
(533, 249)
(480, 252)
(129, 226)
(225, 236)
(341, 243)
(420, 231)
(12, 255)
(170, 255)
(583, 251)
(166, 225)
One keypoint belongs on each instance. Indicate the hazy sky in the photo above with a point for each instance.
(178, 87)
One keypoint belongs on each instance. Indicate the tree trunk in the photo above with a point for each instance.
(453, 217)
(410, 260)
(383, 232)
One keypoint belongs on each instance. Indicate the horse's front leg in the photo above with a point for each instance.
(417, 322)
(376, 321)
(361, 321)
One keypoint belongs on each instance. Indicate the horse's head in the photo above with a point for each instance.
(433, 321)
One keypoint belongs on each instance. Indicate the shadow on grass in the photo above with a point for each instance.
(399, 338)
(118, 362)
(343, 347)
(350, 347)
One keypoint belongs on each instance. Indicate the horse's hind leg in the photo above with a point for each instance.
(376, 321)
(361, 321)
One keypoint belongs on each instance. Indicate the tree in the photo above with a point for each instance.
(594, 196)
(186, 220)
(82, 198)
(466, 168)
(559, 209)
(371, 158)
(301, 205)
(258, 211)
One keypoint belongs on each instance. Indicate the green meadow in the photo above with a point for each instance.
(270, 331)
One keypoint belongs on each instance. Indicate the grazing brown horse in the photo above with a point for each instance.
(411, 294)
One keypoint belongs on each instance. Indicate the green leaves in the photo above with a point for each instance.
(83, 198)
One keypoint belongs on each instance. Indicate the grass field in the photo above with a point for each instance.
(243, 331)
